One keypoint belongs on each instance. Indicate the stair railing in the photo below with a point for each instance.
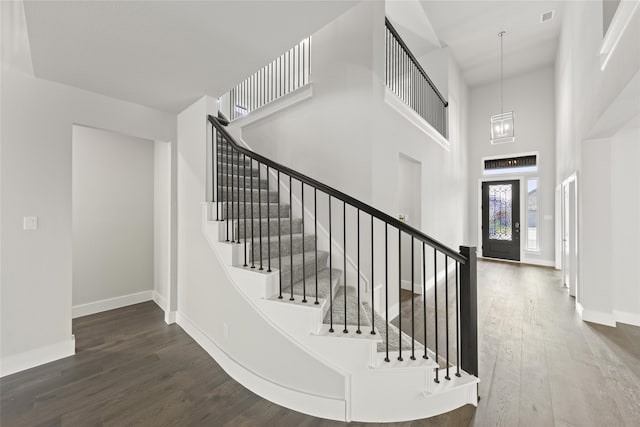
(411, 83)
(231, 161)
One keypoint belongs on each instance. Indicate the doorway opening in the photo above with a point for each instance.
(501, 219)
(569, 233)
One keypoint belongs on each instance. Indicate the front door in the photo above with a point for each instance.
(501, 219)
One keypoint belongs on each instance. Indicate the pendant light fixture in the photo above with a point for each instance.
(502, 124)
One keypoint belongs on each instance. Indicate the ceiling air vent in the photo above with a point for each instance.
(547, 16)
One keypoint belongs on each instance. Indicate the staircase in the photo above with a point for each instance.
(304, 281)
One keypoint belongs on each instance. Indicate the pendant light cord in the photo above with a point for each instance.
(501, 34)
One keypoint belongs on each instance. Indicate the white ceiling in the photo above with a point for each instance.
(470, 29)
(166, 54)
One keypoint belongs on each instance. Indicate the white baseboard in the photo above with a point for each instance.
(170, 317)
(160, 301)
(627, 318)
(36, 357)
(319, 406)
(110, 304)
(593, 316)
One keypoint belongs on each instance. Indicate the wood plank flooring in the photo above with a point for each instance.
(539, 366)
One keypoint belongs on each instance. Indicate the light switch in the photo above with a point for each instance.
(30, 222)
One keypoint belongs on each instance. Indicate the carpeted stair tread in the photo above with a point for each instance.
(352, 309)
(285, 246)
(269, 225)
(248, 171)
(323, 284)
(381, 326)
(266, 210)
(241, 181)
(258, 195)
(298, 270)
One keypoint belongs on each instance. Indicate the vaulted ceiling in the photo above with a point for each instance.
(470, 30)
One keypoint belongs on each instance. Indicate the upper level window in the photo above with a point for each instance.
(511, 165)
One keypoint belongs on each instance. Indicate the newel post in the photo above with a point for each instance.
(469, 311)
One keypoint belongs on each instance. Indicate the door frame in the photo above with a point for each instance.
(493, 178)
(573, 268)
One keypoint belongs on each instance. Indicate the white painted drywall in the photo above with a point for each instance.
(37, 120)
(113, 210)
(531, 97)
(585, 97)
(208, 298)
(348, 137)
(161, 222)
(625, 224)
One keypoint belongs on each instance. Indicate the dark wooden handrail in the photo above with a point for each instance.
(220, 127)
(414, 60)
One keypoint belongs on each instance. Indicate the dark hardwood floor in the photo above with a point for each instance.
(539, 366)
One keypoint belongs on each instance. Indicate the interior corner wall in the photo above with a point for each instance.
(584, 93)
(532, 98)
(113, 215)
(209, 299)
(348, 137)
(37, 120)
(162, 266)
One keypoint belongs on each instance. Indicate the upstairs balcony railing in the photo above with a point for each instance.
(407, 79)
(285, 74)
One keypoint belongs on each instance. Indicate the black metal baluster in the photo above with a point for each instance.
(371, 289)
(244, 205)
(226, 150)
(315, 234)
(424, 297)
(260, 214)
(358, 331)
(400, 295)
(330, 273)
(386, 288)
(457, 322)
(253, 247)
(236, 227)
(269, 223)
(233, 214)
(279, 239)
(344, 261)
(413, 331)
(304, 265)
(435, 301)
(291, 234)
(446, 310)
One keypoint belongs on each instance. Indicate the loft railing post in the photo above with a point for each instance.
(469, 311)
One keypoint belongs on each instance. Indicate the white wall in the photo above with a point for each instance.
(113, 210)
(37, 119)
(625, 212)
(348, 137)
(207, 296)
(162, 223)
(587, 131)
(531, 97)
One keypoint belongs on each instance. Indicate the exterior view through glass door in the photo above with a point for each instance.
(501, 219)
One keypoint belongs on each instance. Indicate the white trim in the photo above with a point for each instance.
(607, 319)
(160, 301)
(36, 357)
(170, 317)
(292, 98)
(110, 304)
(618, 26)
(627, 318)
(416, 119)
(319, 406)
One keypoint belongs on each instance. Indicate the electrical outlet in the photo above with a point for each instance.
(30, 223)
